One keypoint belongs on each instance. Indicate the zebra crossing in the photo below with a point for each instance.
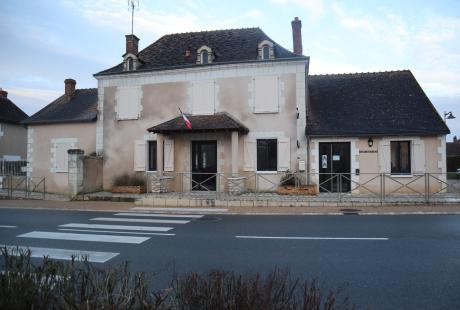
(121, 228)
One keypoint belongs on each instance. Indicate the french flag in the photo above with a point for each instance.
(187, 122)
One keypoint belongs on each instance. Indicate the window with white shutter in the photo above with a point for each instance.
(249, 155)
(266, 97)
(139, 155)
(128, 102)
(203, 97)
(168, 155)
(284, 154)
(61, 156)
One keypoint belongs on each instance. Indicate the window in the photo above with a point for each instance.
(267, 155)
(204, 57)
(266, 52)
(400, 157)
(152, 155)
(61, 157)
(130, 64)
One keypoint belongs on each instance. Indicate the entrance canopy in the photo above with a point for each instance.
(221, 121)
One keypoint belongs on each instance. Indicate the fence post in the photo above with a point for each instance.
(427, 187)
(44, 188)
(383, 187)
(340, 187)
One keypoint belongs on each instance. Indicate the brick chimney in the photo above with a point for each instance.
(132, 44)
(297, 35)
(69, 88)
(3, 93)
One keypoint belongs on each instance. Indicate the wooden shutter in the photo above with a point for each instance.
(418, 155)
(62, 158)
(385, 156)
(139, 155)
(249, 155)
(266, 94)
(168, 155)
(284, 154)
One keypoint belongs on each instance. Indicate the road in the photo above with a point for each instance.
(383, 262)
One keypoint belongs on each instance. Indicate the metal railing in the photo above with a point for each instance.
(16, 167)
(336, 187)
(13, 186)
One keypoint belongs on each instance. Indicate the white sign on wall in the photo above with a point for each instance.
(324, 162)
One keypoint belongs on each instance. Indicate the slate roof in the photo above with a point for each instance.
(9, 112)
(362, 104)
(81, 108)
(228, 46)
(221, 121)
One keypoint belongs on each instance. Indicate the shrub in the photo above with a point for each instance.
(289, 178)
(80, 285)
(129, 180)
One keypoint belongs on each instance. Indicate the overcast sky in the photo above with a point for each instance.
(43, 41)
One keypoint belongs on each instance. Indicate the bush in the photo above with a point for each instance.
(80, 285)
(129, 180)
(290, 178)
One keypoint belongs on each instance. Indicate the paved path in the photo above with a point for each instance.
(386, 262)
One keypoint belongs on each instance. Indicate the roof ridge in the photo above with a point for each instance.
(358, 73)
(214, 30)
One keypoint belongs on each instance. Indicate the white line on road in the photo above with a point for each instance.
(122, 219)
(117, 232)
(65, 254)
(310, 238)
(196, 216)
(8, 226)
(116, 227)
(83, 237)
(180, 209)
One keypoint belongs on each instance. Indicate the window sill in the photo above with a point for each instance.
(151, 171)
(401, 175)
(267, 172)
(266, 112)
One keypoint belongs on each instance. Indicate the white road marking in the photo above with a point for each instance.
(8, 226)
(180, 209)
(116, 227)
(117, 232)
(310, 238)
(65, 254)
(196, 216)
(83, 237)
(122, 219)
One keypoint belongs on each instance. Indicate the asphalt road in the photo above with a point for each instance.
(382, 262)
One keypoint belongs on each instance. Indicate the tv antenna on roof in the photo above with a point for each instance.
(133, 5)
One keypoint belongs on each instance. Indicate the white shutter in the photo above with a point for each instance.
(418, 153)
(385, 156)
(266, 94)
(168, 155)
(250, 151)
(139, 155)
(62, 158)
(203, 97)
(284, 154)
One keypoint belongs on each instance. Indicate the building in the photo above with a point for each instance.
(66, 123)
(255, 114)
(13, 136)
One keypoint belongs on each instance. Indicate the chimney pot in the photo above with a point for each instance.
(297, 35)
(69, 88)
(3, 93)
(132, 44)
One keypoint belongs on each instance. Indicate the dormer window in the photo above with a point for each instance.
(266, 50)
(130, 63)
(204, 55)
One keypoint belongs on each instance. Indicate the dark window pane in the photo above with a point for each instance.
(152, 155)
(267, 155)
(130, 64)
(204, 57)
(400, 157)
(266, 52)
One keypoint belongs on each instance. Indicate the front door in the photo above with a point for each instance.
(334, 167)
(204, 165)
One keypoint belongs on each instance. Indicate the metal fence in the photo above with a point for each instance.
(336, 187)
(22, 187)
(16, 167)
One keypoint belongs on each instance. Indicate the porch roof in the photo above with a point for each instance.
(221, 121)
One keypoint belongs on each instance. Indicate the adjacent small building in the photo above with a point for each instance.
(69, 122)
(13, 135)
